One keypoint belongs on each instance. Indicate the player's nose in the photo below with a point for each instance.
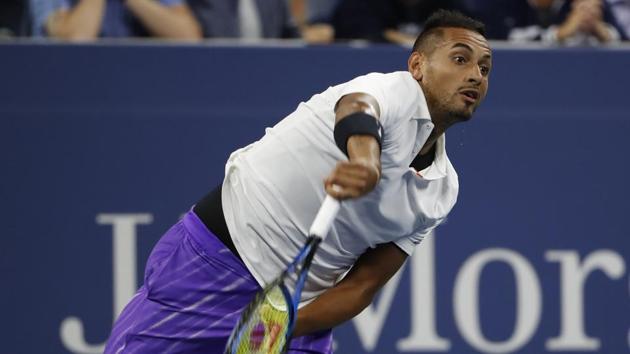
(474, 76)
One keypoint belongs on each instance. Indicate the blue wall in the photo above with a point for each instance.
(114, 142)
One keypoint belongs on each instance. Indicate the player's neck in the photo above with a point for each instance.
(428, 145)
(439, 127)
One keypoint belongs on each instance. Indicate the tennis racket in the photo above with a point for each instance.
(267, 322)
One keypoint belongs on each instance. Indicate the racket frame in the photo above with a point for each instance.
(318, 231)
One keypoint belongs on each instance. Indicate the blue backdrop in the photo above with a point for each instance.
(103, 147)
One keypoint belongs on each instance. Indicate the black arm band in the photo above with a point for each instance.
(357, 124)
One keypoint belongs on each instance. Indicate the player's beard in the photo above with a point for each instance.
(452, 110)
(458, 111)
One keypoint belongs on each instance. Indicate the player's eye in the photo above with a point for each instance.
(484, 70)
(459, 59)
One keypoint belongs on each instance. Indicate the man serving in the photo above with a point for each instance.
(377, 142)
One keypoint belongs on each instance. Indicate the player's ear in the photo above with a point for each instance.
(414, 65)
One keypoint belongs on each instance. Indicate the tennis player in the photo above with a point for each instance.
(377, 142)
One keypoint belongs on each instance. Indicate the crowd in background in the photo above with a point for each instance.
(563, 22)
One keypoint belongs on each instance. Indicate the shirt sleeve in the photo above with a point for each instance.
(41, 10)
(408, 244)
(396, 94)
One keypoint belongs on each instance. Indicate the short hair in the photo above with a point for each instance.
(445, 18)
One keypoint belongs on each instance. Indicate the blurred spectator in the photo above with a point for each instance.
(251, 19)
(320, 11)
(395, 21)
(313, 18)
(89, 19)
(621, 11)
(568, 22)
(12, 18)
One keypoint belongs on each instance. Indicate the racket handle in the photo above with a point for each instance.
(325, 217)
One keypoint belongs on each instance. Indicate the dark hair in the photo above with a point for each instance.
(446, 18)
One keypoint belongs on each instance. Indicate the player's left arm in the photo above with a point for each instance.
(175, 22)
(354, 293)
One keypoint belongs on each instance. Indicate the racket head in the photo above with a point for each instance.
(265, 325)
(268, 321)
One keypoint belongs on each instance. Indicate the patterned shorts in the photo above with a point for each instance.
(194, 291)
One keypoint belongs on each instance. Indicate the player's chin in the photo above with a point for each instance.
(464, 114)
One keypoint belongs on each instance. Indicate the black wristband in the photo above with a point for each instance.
(358, 123)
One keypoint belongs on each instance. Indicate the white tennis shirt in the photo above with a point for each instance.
(273, 188)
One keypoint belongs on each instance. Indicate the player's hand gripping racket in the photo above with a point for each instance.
(267, 322)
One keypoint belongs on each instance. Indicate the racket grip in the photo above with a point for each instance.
(325, 217)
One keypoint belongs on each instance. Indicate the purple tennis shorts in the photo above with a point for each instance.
(194, 291)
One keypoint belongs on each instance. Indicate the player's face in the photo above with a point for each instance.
(455, 74)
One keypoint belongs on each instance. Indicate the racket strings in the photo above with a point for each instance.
(266, 326)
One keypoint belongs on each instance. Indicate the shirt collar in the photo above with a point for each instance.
(439, 166)
(422, 111)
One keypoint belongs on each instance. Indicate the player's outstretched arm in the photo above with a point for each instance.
(354, 293)
(353, 130)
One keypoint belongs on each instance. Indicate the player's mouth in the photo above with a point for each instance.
(470, 95)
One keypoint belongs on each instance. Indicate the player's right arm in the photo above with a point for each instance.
(360, 174)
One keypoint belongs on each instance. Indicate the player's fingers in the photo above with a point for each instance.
(339, 192)
(349, 171)
(333, 190)
(348, 181)
(355, 178)
(342, 192)
(352, 179)
(359, 167)
(366, 172)
(359, 173)
(348, 167)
